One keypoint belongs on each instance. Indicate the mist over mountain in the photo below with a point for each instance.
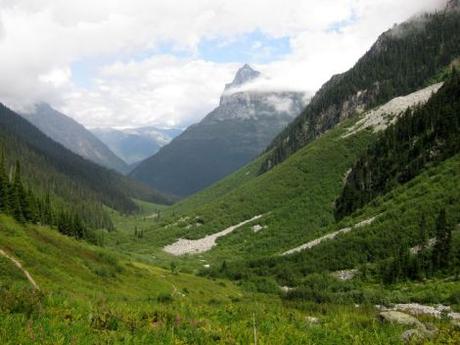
(135, 144)
(278, 217)
(227, 138)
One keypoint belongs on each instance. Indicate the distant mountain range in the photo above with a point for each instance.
(50, 167)
(73, 136)
(230, 136)
(135, 144)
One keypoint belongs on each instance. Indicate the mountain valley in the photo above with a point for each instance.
(278, 218)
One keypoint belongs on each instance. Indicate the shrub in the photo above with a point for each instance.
(165, 297)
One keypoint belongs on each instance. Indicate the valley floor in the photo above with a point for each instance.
(97, 296)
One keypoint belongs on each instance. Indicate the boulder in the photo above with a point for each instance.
(401, 318)
(312, 320)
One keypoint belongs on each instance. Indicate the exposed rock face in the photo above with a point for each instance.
(244, 75)
(229, 137)
(73, 136)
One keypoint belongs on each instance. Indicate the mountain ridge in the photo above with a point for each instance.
(415, 56)
(59, 171)
(74, 136)
(227, 138)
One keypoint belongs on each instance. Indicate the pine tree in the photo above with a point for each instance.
(423, 235)
(442, 247)
(4, 207)
(16, 194)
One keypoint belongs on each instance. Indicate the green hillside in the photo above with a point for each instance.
(297, 199)
(98, 296)
(49, 168)
(401, 61)
(345, 231)
(422, 137)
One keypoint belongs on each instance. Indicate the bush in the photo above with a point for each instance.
(165, 297)
(104, 320)
(25, 301)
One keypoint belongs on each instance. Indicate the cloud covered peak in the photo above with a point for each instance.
(244, 75)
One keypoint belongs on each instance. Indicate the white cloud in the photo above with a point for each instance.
(162, 90)
(40, 39)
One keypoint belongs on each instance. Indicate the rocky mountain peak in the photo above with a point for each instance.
(242, 76)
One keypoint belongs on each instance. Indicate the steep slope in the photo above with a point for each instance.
(296, 198)
(73, 136)
(392, 223)
(226, 139)
(135, 144)
(400, 215)
(50, 167)
(420, 138)
(401, 61)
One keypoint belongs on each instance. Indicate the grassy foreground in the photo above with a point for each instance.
(90, 295)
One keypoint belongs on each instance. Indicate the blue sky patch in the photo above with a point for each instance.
(253, 48)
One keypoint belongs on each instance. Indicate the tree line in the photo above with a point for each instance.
(420, 138)
(427, 259)
(21, 203)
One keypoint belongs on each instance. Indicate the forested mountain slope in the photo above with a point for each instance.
(73, 136)
(403, 221)
(401, 61)
(296, 199)
(51, 168)
(404, 191)
(421, 137)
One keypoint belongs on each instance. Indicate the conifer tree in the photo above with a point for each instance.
(16, 195)
(442, 247)
(3, 185)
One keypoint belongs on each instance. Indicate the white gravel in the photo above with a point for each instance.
(330, 236)
(345, 274)
(257, 227)
(420, 309)
(183, 246)
(381, 117)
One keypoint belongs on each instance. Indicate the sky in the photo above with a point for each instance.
(118, 63)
